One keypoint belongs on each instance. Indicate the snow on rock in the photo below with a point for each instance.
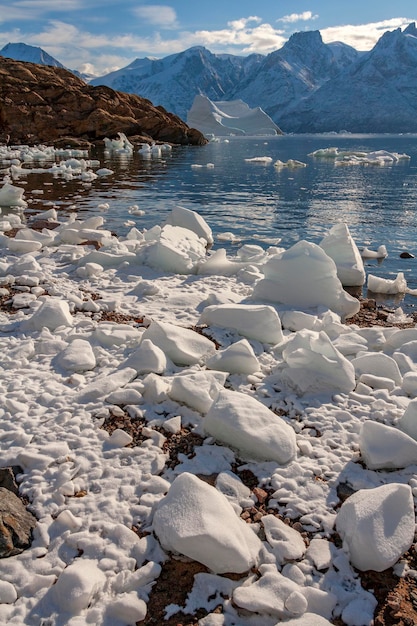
(377, 526)
(52, 314)
(309, 619)
(197, 520)
(386, 447)
(182, 345)
(313, 365)
(186, 218)
(260, 322)
(340, 246)
(77, 586)
(305, 276)
(239, 358)
(287, 543)
(243, 422)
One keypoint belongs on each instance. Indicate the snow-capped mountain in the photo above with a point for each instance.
(292, 73)
(175, 80)
(306, 86)
(33, 54)
(30, 54)
(376, 93)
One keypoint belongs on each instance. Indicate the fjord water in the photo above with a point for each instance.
(260, 203)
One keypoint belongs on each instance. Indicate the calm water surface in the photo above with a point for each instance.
(260, 203)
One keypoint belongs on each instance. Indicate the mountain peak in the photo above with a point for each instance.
(31, 54)
(411, 30)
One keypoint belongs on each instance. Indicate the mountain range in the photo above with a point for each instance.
(306, 86)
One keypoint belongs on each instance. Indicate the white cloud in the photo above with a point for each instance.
(306, 16)
(157, 14)
(363, 36)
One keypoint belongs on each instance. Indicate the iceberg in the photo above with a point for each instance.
(232, 117)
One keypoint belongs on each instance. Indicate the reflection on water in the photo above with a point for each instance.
(258, 203)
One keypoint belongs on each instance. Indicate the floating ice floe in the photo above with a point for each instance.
(122, 145)
(291, 164)
(349, 157)
(263, 160)
(380, 253)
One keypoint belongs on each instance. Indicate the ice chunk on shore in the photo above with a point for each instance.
(51, 314)
(12, 196)
(147, 358)
(178, 250)
(408, 422)
(305, 276)
(239, 358)
(77, 357)
(260, 322)
(341, 247)
(197, 389)
(313, 365)
(243, 422)
(197, 520)
(287, 543)
(377, 284)
(186, 218)
(377, 364)
(182, 345)
(377, 526)
(386, 447)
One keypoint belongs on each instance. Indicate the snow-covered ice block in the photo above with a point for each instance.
(197, 389)
(147, 358)
(409, 385)
(309, 619)
(272, 594)
(287, 543)
(260, 322)
(109, 334)
(377, 284)
(377, 526)
(238, 358)
(386, 447)
(340, 246)
(408, 421)
(182, 345)
(195, 519)
(21, 246)
(243, 422)
(377, 364)
(126, 608)
(186, 218)
(313, 365)
(51, 314)
(233, 488)
(77, 585)
(305, 276)
(78, 356)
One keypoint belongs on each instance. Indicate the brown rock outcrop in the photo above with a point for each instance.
(41, 104)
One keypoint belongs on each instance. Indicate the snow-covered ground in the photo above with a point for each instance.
(251, 352)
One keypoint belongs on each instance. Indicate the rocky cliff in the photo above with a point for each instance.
(41, 104)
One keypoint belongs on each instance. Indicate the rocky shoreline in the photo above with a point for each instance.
(47, 104)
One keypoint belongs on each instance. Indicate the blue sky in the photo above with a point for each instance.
(103, 35)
